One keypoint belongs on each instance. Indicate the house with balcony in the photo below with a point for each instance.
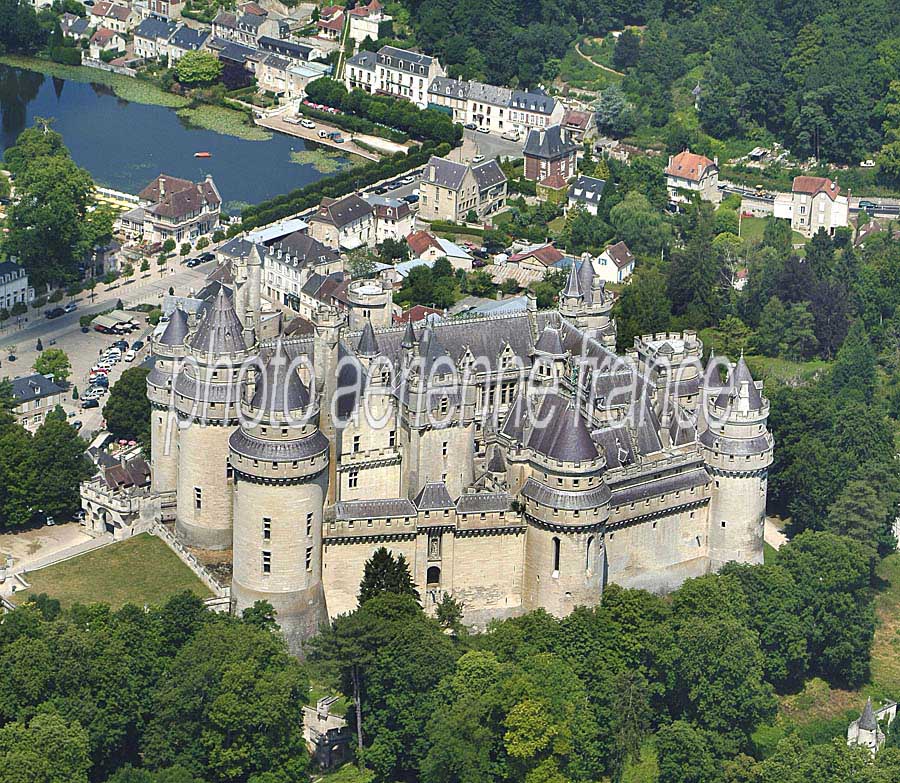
(549, 152)
(369, 22)
(330, 24)
(451, 191)
(393, 71)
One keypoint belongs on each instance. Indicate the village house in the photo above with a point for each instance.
(346, 223)
(578, 124)
(75, 28)
(813, 203)
(173, 208)
(330, 24)
(393, 71)
(429, 247)
(450, 190)
(394, 218)
(247, 26)
(290, 50)
(535, 258)
(35, 396)
(289, 263)
(112, 16)
(615, 264)
(586, 193)
(498, 109)
(688, 174)
(167, 9)
(549, 152)
(369, 21)
(14, 287)
(185, 39)
(151, 38)
(105, 40)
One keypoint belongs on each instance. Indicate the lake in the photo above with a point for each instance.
(124, 145)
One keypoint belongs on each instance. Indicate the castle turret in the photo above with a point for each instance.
(328, 323)
(673, 361)
(566, 508)
(738, 451)
(280, 462)
(369, 300)
(168, 349)
(207, 394)
(585, 301)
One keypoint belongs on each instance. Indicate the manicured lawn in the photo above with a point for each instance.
(752, 228)
(769, 553)
(140, 570)
(349, 773)
(886, 650)
(769, 369)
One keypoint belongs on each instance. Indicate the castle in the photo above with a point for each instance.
(516, 461)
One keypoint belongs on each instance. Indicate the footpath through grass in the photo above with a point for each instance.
(140, 570)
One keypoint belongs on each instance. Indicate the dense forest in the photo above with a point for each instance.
(815, 75)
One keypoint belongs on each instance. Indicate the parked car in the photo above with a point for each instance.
(91, 402)
(407, 180)
(307, 124)
(122, 345)
(207, 257)
(470, 126)
(97, 368)
(70, 308)
(478, 158)
(868, 206)
(484, 129)
(129, 356)
(98, 379)
(193, 262)
(137, 345)
(510, 135)
(77, 425)
(56, 312)
(98, 391)
(412, 198)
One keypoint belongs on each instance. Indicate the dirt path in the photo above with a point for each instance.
(606, 68)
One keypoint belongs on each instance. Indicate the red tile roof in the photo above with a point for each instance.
(619, 254)
(576, 119)
(416, 313)
(814, 185)
(547, 255)
(689, 166)
(420, 241)
(554, 181)
(337, 23)
(102, 36)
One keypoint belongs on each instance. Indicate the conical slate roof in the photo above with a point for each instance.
(739, 375)
(368, 343)
(496, 464)
(564, 435)
(585, 276)
(176, 330)
(867, 720)
(409, 336)
(279, 388)
(220, 331)
(573, 287)
(431, 351)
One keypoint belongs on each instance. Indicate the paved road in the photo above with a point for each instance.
(491, 146)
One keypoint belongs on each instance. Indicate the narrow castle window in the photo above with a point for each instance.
(555, 557)
(353, 479)
(589, 555)
(266, 562)
(355, 444)
(309, 551)
(392, 438)
(198, 498)
(444, 448)
(267, 529)
(309, 521)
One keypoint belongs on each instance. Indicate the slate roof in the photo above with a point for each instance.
(188, 38)
(379, 509)
(135, 472)
(566, 500)
(639, 490)
(33, 387)
(290, 49)
(404, 60)
(301, 248)
(867, 720)
(738, 375)
(488, 174)
(496, 464)
(277, 450)
(220, 331)
(549, 342)
(176, 330)
(368, 343)
(154, 28)
(279, 388)
(11, 269)
(587, 190)
(364, 59)
(482, 502)
(175, 197)
(532, 101)
(342, 212)
(433, 497)
(550, 143)
(452, 88)
(236, 247)
(564, 435)
(489, 93)
(573, 285)
(444, 173)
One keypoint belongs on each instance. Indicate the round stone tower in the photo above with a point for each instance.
(585, 301)
(566, 508)
(738, 451)
(168, 348)
(370, 301)
(207, 395)
(280, 462)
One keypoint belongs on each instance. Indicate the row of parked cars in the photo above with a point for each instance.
(56, 312)
(99, 377)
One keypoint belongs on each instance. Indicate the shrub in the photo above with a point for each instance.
(19, 308)
(56, 296)
(202, 243)
(38, 303)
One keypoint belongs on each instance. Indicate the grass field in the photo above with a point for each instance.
(349, 773)
(768, 368)
(140, 570)
(752, 229)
